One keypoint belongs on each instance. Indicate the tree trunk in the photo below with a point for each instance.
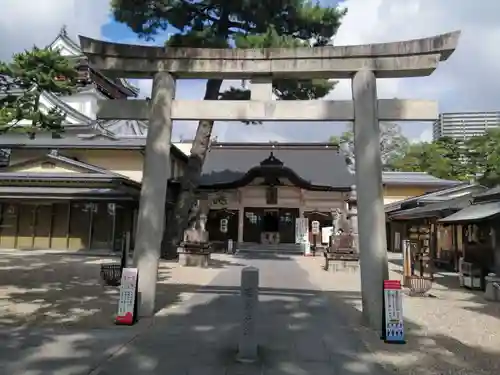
(190, 180)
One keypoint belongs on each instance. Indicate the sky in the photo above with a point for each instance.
(468, 81)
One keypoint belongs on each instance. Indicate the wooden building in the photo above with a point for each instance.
(425, 211)
(458, 223)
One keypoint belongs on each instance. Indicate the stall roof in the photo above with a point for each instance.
(440, 195)
(433, 209)
(476, 212)
(490, 194)
(78, 193)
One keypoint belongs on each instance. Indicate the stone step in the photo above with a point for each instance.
(273, 248)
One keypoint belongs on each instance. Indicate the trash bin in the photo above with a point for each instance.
(111, 274)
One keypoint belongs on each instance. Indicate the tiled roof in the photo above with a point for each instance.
(320, 165)
(434, 209)
(416, 178)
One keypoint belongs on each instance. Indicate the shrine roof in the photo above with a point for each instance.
(315, 164)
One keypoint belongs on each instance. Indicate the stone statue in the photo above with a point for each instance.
(336, 219)
(196, 232)
(192, 234)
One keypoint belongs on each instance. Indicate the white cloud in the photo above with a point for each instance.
(26, 23)
(426, 136)
(469, 80)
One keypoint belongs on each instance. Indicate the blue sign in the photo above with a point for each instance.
(394, 332)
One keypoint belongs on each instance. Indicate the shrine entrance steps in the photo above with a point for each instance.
(284, 248)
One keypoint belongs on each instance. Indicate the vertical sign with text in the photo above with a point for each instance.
(393, 312)
(128, 297)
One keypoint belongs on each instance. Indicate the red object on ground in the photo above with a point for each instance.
(125, 319)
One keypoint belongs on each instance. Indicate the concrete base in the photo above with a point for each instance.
(187, 259)
(492, 293)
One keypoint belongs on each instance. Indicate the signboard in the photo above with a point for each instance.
(223, 225)
(128, 297)
(302, 234)
(393, 326)
(315, 227)
(326, 232)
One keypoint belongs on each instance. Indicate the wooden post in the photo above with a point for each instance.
(68, 225)
(51, 225)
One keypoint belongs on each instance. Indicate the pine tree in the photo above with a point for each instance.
(21, 83)
(225, 24)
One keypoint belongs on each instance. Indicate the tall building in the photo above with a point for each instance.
(464, 125)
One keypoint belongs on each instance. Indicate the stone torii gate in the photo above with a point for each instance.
(362, 64)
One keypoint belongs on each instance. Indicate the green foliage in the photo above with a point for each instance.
(483, 153)
(393, 144)
(242, 24)
(445, 158)
(301, 18)
(477, 158)
(23, 80)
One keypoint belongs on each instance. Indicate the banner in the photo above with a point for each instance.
(393, 326)
(128, 297)
(302, 234)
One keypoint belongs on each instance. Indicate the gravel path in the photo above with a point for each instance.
(453, 332)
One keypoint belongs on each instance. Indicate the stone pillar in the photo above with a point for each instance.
(353, 217)
(247, 347)
(156, 172)
(370, 201)
(241, 221)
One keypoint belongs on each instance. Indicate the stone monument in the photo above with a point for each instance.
(248, 345)
(362, 64)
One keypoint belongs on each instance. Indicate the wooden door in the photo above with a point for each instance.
(60, 221)
(26, 232)
(79, 226)
(287, 218)
(8, 225)
(214, 224)
(43, 223)
(252, 224)
(102, 227)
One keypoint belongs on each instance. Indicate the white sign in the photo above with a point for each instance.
(326, 232)
(393, 311)
(315, 227)
(128, 291)
(223, 225)
(302, 234)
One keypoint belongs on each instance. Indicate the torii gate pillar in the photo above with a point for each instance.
(370, 198)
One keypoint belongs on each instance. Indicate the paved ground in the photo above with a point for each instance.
(300, 331)
(308, 323)
(453, 332)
